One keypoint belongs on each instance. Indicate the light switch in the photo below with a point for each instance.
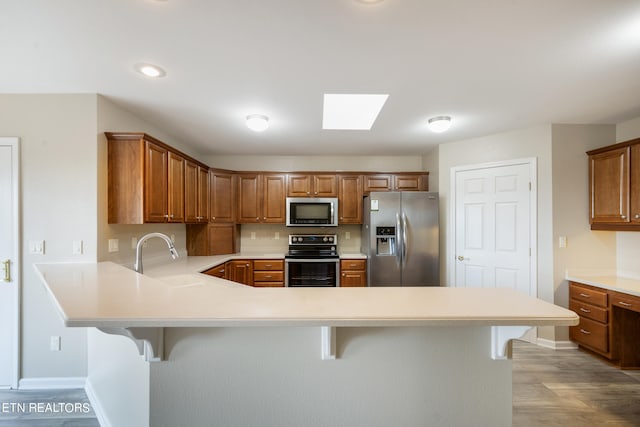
(113, 245)
(253, 235)
(562, 241)
(77, 247)
(277, 235)
(36, 247)
(374, 204)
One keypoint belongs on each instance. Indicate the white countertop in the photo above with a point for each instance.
(175, 295)
(611, 282)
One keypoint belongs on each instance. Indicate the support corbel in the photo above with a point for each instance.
(500, 338)
(149, 341)
(328, 342)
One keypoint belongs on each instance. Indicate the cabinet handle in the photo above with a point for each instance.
(268, 265)
(624, 304)
(623, 216)
(247, 265)
(166, 216)
(585, 295)
(316, 193)
(268, 277)
(171, 216)
(585, 332)
(213, 218)
(352, 265)
(221, 271)
(637, 216)
(584, 310)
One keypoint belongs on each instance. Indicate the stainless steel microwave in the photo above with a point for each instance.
(312, 212)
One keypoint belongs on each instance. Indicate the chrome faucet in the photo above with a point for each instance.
(172, 249)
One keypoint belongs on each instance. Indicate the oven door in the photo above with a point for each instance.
(312, 272)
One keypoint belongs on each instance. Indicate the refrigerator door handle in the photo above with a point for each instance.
(405, 239)
(398, 245)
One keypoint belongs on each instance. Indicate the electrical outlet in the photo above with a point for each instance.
(134, 242)
(173, 238)
(562, 241)
(253, 235)
(77, 247)
(55, 343)
(347, 235)
(277, 236)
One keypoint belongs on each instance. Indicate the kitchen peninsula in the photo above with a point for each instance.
(235, 355)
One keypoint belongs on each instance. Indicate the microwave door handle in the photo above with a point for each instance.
(398, 245)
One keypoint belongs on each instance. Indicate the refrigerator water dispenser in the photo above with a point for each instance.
(385, 241)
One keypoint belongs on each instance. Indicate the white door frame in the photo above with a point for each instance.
(16, 266)
(533, 217)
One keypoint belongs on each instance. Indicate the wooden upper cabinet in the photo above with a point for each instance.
(377, 182)
(175, 187)
(155, 183)
(222, 200)
(249, 209)
(261, 198)
(274, 198)
(312, 185)
(609, 186)
(196, 193)
(411, 182)
(350, 199)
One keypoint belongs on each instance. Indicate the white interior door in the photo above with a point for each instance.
(9, 266)
(494, 226)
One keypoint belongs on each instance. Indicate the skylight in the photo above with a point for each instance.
(351, 112)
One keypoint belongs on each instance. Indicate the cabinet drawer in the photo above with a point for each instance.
(353, 264)
(268, 276)
(628, 302)
(268, 284)
(591, 334)
(588, 295)
(589, 311)
(268, 264)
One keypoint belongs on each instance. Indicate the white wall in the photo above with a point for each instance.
(628, 242)
(585, 249)
(59, 205)
(431, 163)
(317, 163)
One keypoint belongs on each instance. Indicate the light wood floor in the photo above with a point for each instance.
(550, 388)
(571, 388)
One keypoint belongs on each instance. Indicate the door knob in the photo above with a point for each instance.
(460, 258)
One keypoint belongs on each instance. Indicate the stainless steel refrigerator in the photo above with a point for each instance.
(400, 235)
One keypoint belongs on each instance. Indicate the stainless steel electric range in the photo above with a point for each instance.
(312, 261)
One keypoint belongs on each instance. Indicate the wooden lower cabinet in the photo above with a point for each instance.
(268, 273)
(241, 271)
(219, 271)
(353, 273)
(609, 323)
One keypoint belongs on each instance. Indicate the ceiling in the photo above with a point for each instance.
(491, 65)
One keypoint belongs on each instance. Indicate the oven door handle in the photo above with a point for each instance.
(325, 260)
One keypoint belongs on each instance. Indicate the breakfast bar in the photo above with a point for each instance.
(212, 352)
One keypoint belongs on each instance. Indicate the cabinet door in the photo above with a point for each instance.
(299, 185)
(609, 186)
(222, 202)
(191, 192)
(350, 199)
(379, 182)
(203, 195)
(274, 198)
(175, 187)
(155, 183)
(241, 271)
(249, 207)
(325, 186)
(412, 182)
(634, 188)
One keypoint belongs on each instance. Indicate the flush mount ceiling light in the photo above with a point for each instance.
(351, 112)
(257, 122)
(150, 70)
(439, 124)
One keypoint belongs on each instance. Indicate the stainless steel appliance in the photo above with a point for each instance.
(312, 211)
(400, 236)
(312, 261)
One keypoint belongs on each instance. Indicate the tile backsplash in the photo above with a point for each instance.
(274, 238)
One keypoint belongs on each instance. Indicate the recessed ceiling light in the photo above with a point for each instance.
(150, 70)
(257, 122)
(351, 112)
(439, 124)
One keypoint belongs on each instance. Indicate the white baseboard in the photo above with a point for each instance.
(95, 404)
(557, 345)
(51, 383)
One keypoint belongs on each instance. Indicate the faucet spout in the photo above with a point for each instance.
(172, 250)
